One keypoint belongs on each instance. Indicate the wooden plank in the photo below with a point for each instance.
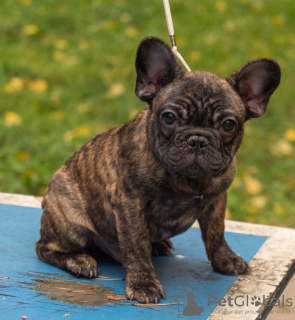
(272, 268)
(20, 200)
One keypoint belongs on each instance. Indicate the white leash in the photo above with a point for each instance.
(171, 33)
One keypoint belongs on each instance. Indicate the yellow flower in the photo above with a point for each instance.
(82, 130)
(15, 84)
(27, 174)
(69, 135)
(221, 5)
(26, 2)
(221, 67)
(57, 115)
(58, 55)
(278, 209)
(110, 24)
(38, 85)
(86, 44)
(194, 55)
(22, 156)
(211, 38)
(61, 44)
(54, 97)
(230, 26)
(131, 32)
(84, 107)
(71, 60)
(290, 134)
(259, 202)
(253, 186)
(125, 17)
(181, 41)
(11, 118)
(283, 147)
(31, 29)
(116, 90)
(257, 5)
(278, 20)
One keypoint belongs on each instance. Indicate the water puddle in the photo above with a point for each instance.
(78, 293)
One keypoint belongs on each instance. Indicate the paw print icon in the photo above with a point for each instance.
(256, 301)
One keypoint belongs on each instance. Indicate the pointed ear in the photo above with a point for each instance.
(255, 82)
(156, 66)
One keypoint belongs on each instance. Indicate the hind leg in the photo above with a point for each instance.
(62, 244)
(78, 264)
(65, 229)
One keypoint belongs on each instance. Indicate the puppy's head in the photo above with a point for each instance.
(197, 119)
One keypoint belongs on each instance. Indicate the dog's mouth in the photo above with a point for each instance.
(199, 168)
(210, 166)
(197, 165)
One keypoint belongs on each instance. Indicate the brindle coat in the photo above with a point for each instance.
(129, 190)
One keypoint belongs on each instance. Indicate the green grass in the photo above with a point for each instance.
(83, 52)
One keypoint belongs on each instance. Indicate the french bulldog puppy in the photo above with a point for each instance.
(129, 190)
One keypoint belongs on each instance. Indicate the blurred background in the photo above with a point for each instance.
(67, 74)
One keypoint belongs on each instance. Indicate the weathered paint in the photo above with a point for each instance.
(272, 268)
(187, 270)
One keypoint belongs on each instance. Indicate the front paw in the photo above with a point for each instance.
(227, 262)
(144, 290)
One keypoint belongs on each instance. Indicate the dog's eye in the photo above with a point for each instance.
(228, 125)
(169, 118)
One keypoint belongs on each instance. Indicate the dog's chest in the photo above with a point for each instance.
(171, 214)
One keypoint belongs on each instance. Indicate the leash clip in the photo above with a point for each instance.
(171, 33)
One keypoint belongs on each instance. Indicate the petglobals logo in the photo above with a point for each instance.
(192, 308)
(245, 304)
(245, 301)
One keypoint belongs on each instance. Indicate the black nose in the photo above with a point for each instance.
(197, 142)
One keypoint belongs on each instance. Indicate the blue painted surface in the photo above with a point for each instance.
(19, 230)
